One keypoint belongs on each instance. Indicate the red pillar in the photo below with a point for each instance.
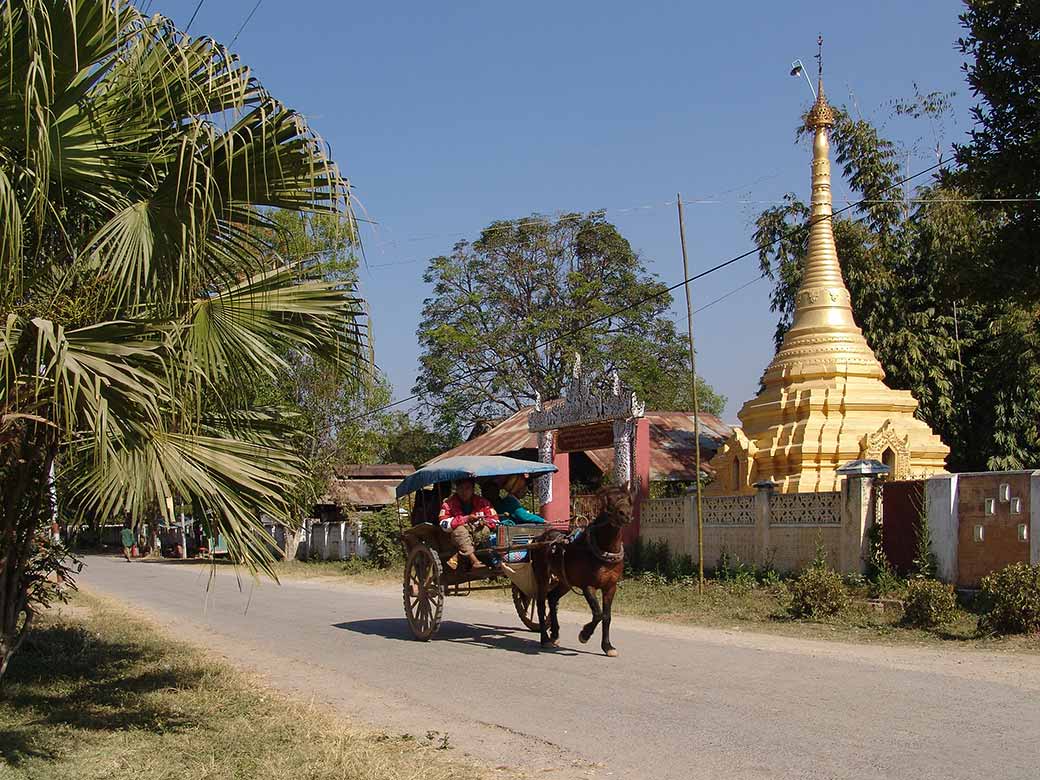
(640, 475)
(558, 511)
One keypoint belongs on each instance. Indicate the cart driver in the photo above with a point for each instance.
(463, 515)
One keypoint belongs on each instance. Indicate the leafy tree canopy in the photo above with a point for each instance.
(540, 281)
(1002, 159)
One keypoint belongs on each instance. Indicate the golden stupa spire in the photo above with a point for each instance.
(822, 402)
(823, 333)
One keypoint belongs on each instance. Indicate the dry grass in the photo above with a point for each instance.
(95, 695)
(764, 609)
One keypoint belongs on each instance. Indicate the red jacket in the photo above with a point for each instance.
(452, 514)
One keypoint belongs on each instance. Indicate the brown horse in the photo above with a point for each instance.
(595, 561)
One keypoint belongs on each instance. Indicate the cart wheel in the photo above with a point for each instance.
(423, 593)
(526, 608)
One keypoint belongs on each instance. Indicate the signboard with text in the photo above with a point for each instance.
(585, 437)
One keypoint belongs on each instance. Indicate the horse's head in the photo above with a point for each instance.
(616, 505)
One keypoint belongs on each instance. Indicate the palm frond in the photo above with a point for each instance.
(252, 324)
(139, 168)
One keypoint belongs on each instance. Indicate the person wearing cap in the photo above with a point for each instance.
(464, 514)
(508, 506)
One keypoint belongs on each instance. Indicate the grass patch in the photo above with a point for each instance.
(95, 695)
(765, 608)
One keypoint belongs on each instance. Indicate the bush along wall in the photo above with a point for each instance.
(928, 603)
(1010, 600)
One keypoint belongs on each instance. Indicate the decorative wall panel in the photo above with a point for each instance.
(805, 508)
(663, 511)
(729, 510)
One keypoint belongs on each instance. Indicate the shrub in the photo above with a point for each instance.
(818, 592)
(381, 532)
(680, 566)
(634, 557)
(926, 564)
(730, 569)
(887, 585)
(1010, 600)
(657, 557)
(770, 578)
(929, 603)
(878, 566)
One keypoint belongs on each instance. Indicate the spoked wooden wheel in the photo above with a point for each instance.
(423, 593)
(526, 609)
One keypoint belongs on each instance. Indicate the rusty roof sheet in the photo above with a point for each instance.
(361, 492)
(508, 436)
(671, 443)
(373, 470)
(672, 457)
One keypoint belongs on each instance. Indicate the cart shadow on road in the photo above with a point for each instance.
(516, 640)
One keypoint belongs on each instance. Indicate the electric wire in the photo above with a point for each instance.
(193, 15)
(512, 224)
(734, 291)
(646, 299)
(250, 16)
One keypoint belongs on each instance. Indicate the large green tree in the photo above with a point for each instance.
(138, 297)
(510, 310)
(1001, 161)
(974, 366)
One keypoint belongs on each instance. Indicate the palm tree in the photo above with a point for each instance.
(139, 172)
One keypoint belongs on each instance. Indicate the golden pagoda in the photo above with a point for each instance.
(823, 401)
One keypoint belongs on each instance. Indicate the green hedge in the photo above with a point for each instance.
(1010, 600)
(818, 592)
(928, 603)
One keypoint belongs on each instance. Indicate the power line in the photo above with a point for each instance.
(250, 16)
(193, 15)
(734, 291)
(540, 219)
(696, 202)
(644, 300)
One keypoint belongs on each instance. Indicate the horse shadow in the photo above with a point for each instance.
(509, 638)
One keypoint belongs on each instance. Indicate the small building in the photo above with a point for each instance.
(361, 488)
(355, 491)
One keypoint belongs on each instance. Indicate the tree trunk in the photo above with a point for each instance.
(25, 512)
(292, 536)
(9, 644)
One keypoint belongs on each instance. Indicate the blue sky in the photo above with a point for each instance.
(447, 116)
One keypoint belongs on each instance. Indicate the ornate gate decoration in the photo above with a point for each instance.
(581, 405)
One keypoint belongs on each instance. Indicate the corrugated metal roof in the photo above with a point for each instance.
(672, 457)
(671, 443)
(373, 470)
(511, 435)
(361, 492)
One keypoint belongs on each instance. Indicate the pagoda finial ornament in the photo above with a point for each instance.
(823, 400)
(821, 115)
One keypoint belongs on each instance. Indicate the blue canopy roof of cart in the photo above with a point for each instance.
(470, 466)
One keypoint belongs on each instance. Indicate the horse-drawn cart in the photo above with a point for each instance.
(429, 551)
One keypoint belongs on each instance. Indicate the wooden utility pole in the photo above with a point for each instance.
(696, 405)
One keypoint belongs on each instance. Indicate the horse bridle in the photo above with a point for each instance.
(590, 538)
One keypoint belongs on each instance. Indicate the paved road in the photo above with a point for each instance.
(678, 702)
